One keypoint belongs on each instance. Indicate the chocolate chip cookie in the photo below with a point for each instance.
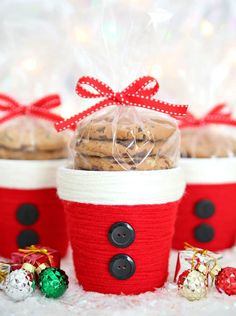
(110, 164)
(154, 130)
(126, 139)
(33, 155)
(28, 139)
(123, 148)
(205, 144)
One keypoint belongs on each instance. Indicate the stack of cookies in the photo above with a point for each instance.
(115, 146)
(204, 143)
(31, 142)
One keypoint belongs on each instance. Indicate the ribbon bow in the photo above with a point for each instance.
(33, 249)
(40, 108)
(195, 250)
(139, 94)
(213, 270)
(220, 114)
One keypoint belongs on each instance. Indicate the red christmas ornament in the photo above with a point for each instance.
(226, 281)
(182, 278)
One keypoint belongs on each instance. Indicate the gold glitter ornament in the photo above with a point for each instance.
(5, 269)
(192, 284)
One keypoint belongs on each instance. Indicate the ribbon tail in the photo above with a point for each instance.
(71, 122)
(160, 106)
(220, 120)
(9, 116)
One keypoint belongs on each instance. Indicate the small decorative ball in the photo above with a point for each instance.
(19, 284)
(226, 281)
(53, 282)
(192, 284)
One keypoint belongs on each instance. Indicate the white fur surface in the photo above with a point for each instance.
(120, 187)
(162, 302)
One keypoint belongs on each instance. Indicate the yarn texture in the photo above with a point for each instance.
(223, 221)
(50, 225)
(92, 251)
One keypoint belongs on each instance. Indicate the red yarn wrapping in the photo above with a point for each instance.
(89, 225)
(223, 220)
(50, 225)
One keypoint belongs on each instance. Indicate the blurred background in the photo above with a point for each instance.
(189, 46)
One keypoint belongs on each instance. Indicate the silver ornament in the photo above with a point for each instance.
(19, 284)
(194, 286)
(2, 285)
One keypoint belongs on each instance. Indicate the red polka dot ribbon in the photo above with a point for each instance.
(139, 93)
(40, 108)
(220, 114)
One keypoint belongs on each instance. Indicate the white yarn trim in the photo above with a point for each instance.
(209, 170)
(120, 187)
(29, 174)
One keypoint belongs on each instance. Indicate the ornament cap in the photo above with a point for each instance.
(28, 267)
(215, 271)
(41, 267)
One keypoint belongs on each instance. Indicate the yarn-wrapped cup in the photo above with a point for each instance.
(121, 226)
(30, 153)
(122, 190)
(206, 216)
(31, 211)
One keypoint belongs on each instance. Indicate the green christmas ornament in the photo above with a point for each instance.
(53, 282)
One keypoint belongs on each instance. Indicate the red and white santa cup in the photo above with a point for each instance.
(121, 226)
(207, 216)
(30, 212)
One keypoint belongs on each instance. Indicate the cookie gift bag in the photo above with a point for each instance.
(123, 186)
(30, 153)
(206, 216)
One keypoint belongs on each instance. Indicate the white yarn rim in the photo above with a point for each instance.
(29, 174)
(120, 187)
(209, 170)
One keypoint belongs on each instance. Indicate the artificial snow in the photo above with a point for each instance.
(162, 302)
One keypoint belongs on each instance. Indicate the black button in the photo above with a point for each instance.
(204, 233)
(121, 234)
(122, 267)
(204, 209)
(27, 214)
(27, 238)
